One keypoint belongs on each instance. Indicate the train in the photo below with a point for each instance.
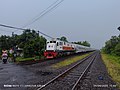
(56, 48)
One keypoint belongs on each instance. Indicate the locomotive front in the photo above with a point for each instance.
(50, 51)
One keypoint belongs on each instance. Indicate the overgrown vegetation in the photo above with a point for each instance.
(111, 58)
(113, 66)
(19, 59)
(69, 61)
(84, 43)
(30, 41)
(112, 46)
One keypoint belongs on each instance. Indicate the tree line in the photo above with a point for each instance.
(112, 46)
(84, 43)
(30, 42)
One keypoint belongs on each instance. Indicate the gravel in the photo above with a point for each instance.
(68, 80)
(44, 72)
(97, 78)
(40, 73)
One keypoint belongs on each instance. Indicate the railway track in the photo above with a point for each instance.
(70, 78)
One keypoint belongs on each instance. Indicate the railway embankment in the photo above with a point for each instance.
(41, 73)
(70, 60)
(113, 67)
(98, 78)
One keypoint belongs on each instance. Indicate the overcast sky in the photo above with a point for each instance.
(91, 20)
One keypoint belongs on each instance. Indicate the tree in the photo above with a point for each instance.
(4, 41)
(30, 41)
(79, 42)
(117, 49)
(112, 46)
(63, 38)
(84, 43)
(33, 43)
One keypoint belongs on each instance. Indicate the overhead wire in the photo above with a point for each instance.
(44, 12)
(52, 6)
(7, 26)
(41, 13)
(3, 25)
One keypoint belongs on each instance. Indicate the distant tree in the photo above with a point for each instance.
(63, 38)
(80, 43)
(117, 49)
(84, 43)
(107, 48)
(112, 46)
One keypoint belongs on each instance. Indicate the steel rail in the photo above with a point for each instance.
(63, 73)
(84, 72)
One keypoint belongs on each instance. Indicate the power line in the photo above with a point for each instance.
(45, 12)
(12, 27)
(41, 13)
(2, 25)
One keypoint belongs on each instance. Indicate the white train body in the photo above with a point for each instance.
(56, 47)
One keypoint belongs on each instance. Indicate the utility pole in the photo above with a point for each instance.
(38, 33)
(14, 48)
(12, 34)
(39, 46)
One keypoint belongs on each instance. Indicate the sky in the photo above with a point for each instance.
(92, 20)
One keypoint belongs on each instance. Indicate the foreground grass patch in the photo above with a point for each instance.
(18, 59)
(113, 66)
(69, 61)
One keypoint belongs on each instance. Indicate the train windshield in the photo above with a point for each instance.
(52, 41)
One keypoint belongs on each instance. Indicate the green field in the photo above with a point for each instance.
(70, 61)
(113, 66)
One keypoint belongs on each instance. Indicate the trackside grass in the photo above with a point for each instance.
(19, 59)
(113, 65)
(70, 61)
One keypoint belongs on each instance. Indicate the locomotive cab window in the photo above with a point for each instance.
(57, 43)
(54, 41)
(61, 43)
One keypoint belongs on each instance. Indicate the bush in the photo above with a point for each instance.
(112, 46)
(117, 49)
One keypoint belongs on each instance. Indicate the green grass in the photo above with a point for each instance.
(19, 59)
(113, 66)
(69, 61)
